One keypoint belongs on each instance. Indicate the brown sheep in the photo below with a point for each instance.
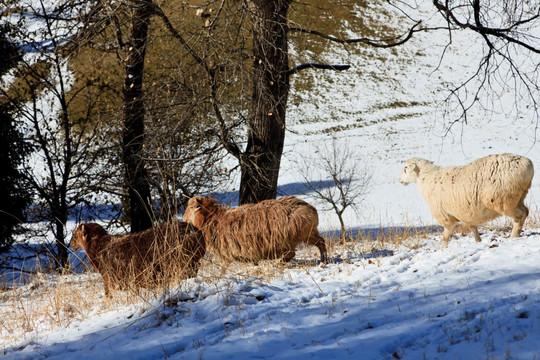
(270, 229)
(143, 259)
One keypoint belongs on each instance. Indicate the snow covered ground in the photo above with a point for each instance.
(377, 299)
(414, 301)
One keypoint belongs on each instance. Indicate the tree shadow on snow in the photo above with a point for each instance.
(23, 262)
(291, 189)
(106, 212)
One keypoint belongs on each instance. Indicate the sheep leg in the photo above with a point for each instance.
(446, 236)
(474, 229)
(519, 215)
(516, 229)
(318, 241)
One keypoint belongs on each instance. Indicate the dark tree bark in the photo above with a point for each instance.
(136, 179)
(266, 127)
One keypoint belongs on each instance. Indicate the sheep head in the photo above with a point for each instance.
(84, 233)
(410, 172)
(80, 237)
(198, 210)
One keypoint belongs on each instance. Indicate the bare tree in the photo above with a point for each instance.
(271, 71)
(333, 175)
(62, 173)
(167, 147)
(271, 74)
(266, 123)
(511, 52)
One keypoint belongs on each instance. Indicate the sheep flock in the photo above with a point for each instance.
(472, 194)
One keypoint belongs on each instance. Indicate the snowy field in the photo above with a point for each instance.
(415, 301)
(377, 299)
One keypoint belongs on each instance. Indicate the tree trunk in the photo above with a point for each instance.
(133, 137)
(266, 127)
(61, 247)
(60, 206)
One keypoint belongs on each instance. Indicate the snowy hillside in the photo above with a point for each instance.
(384, 295)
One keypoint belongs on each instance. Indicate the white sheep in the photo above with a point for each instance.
(475, 193)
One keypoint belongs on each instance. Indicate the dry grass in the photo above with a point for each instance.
(52, 301)
(48, 301)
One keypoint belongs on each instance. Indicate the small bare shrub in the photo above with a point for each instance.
(335, 177)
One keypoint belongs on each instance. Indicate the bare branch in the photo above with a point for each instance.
(499, 32)
(226, 139)
(510, 52)
(343, 183)
(301, 67)
(381, 43)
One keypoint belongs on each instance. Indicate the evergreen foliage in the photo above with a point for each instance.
(14, 195)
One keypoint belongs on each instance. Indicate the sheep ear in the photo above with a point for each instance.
(415, 168)
(199, 202)
(85, 231)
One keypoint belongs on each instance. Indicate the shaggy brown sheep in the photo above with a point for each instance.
(145, 259)
(270, 229)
